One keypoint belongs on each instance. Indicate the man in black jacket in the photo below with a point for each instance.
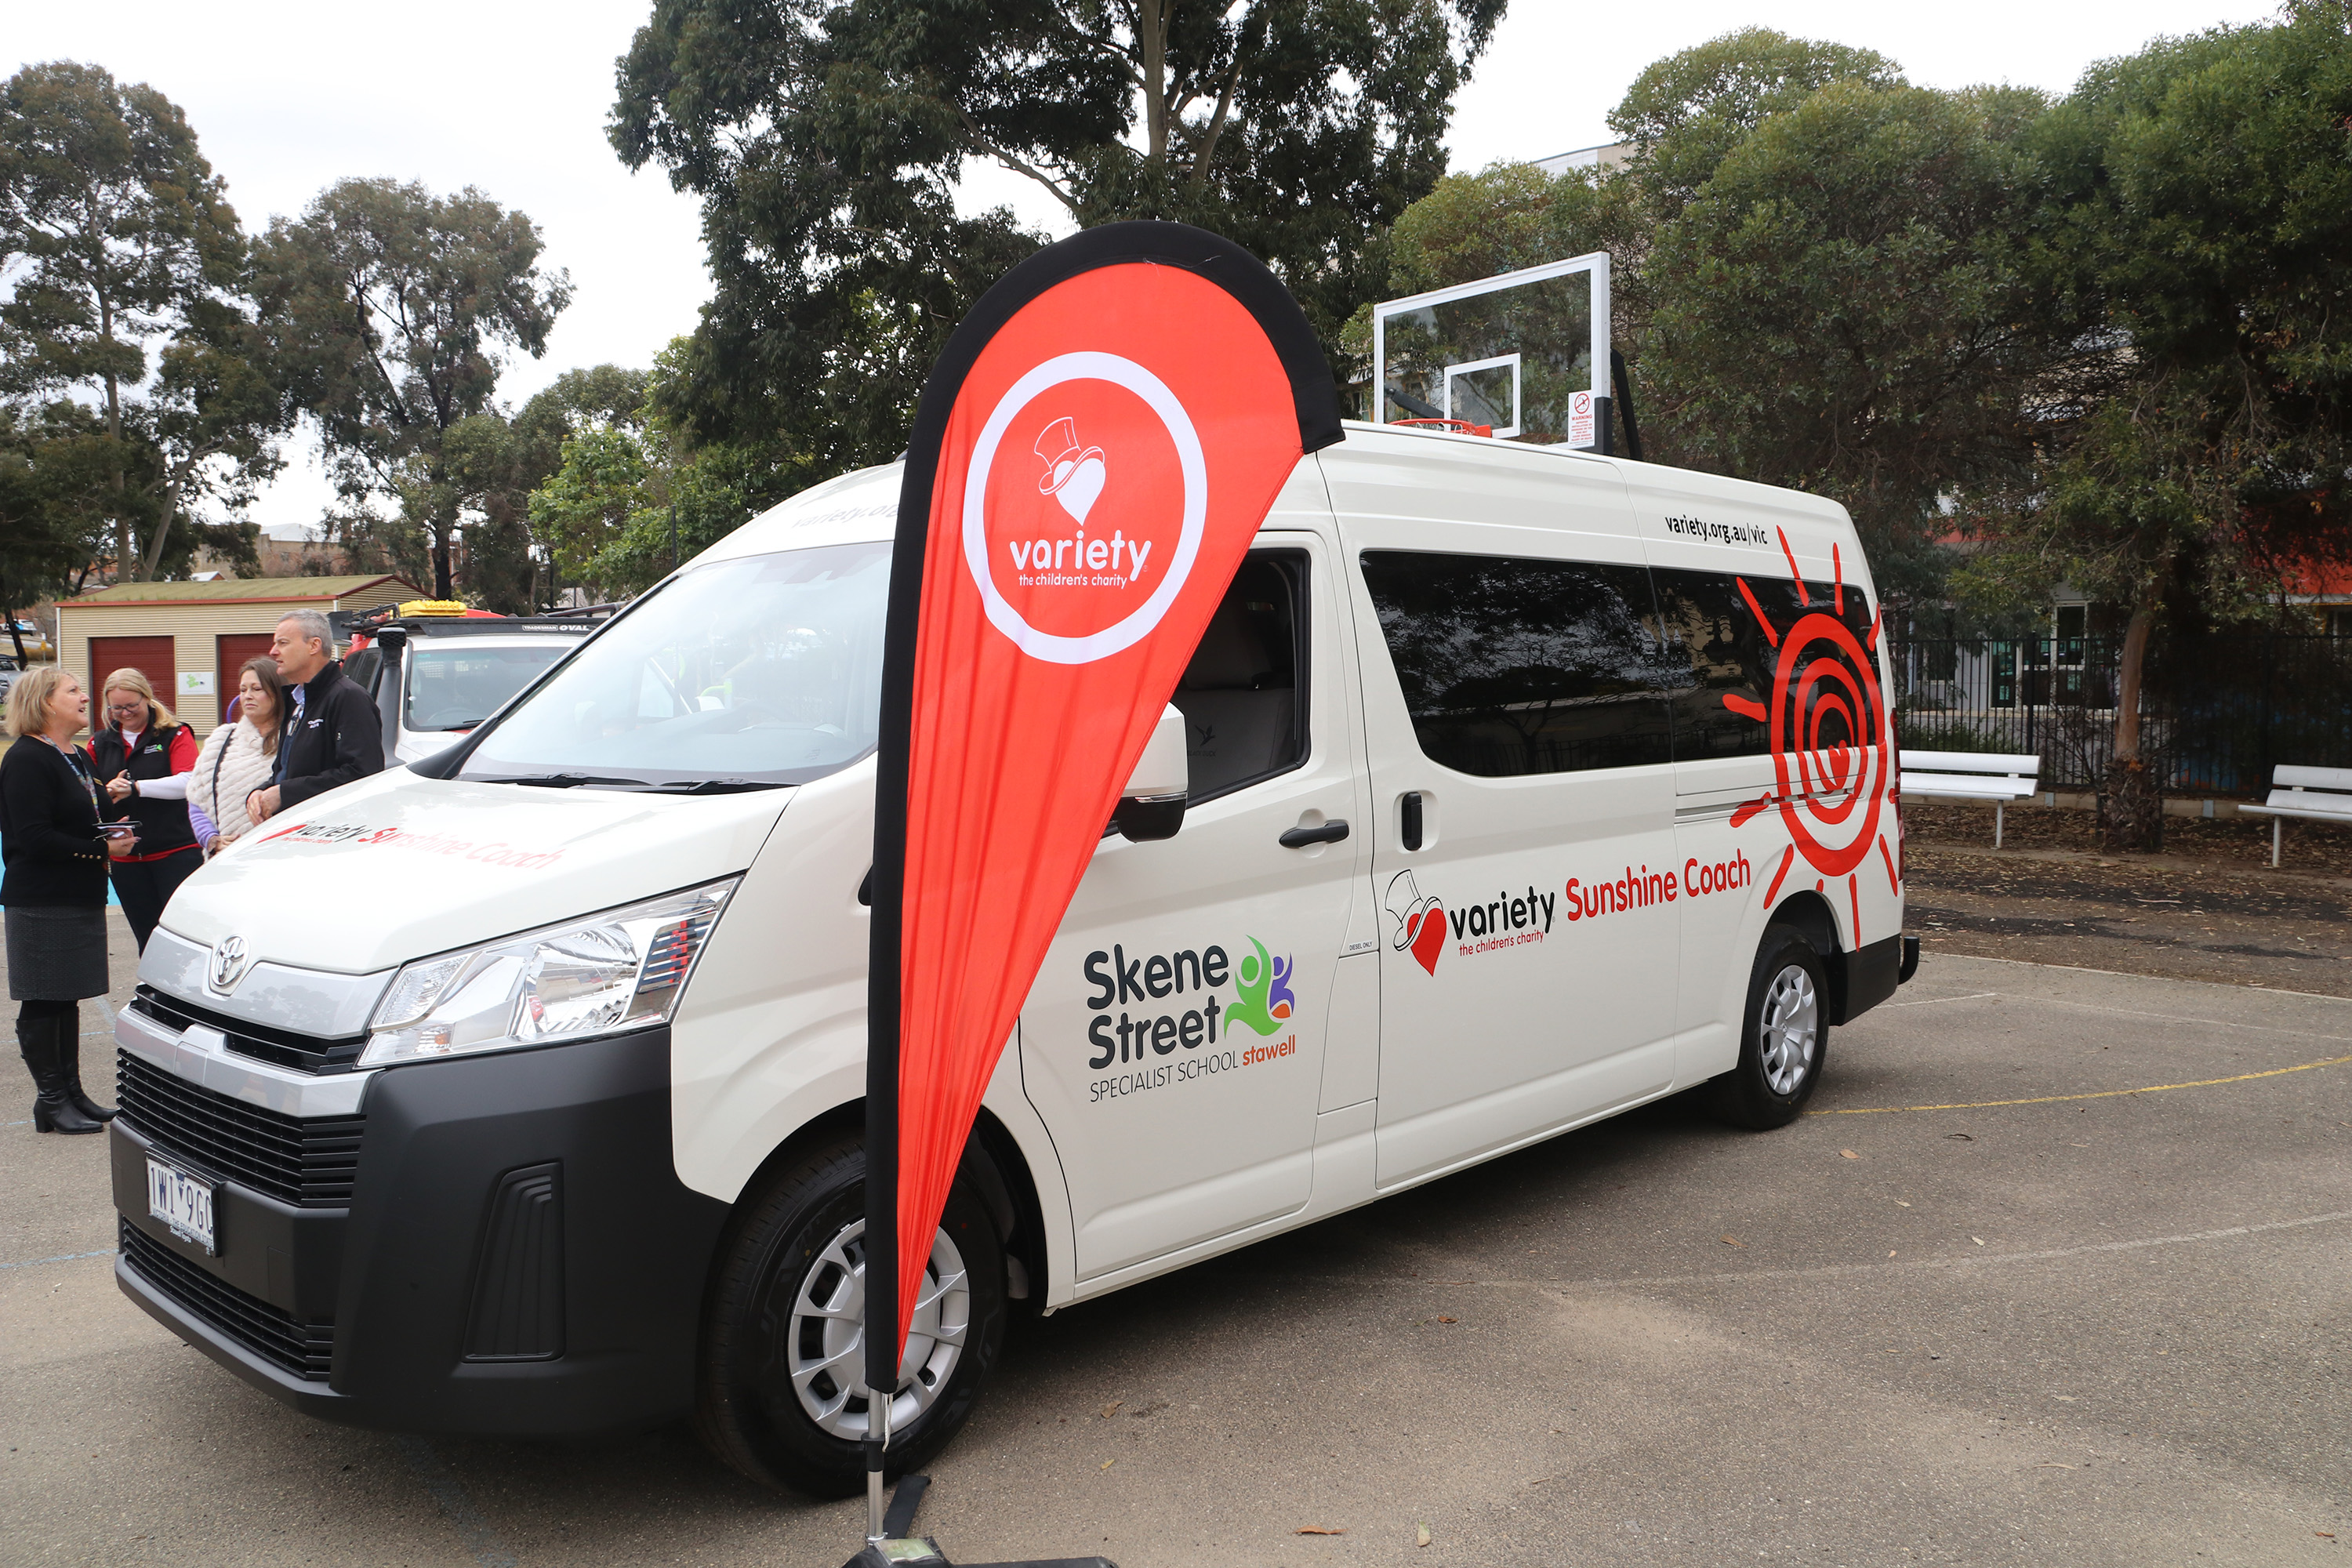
(329, 732)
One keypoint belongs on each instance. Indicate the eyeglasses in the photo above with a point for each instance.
(126, 707)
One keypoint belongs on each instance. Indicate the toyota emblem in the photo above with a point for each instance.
(228, 964)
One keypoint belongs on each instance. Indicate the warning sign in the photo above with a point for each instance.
(1580, 419)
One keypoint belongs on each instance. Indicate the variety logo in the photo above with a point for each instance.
(1061, 592)
(1420, 923)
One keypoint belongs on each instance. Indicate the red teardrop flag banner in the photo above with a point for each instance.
(1091, 458)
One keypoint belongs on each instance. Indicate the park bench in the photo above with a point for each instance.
(1998, 777)
(2316, 795)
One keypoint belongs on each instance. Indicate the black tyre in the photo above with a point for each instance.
(1784, 1035)
(782, 1391)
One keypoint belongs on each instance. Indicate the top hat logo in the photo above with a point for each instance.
(1073, 477)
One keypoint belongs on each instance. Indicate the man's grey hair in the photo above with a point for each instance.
(313, 627)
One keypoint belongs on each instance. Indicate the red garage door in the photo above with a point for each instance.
(151, 656)
(234, 650)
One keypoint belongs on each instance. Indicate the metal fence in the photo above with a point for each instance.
(2218, 711)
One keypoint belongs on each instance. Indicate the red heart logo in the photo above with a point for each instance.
(1427, 932)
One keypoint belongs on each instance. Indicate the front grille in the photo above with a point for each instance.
(282, 1047)
(305, 1350)
(311, 1163)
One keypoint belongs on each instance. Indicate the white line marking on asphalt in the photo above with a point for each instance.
(60, 1258)
(2179, 1018)
(1959, 1260)
(2170, 979)
(479, 1539)
(1931, 1001)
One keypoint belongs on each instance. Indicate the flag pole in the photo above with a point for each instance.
(893, 745)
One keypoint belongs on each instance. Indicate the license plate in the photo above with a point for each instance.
(182, 1202)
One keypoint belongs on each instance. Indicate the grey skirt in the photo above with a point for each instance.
(56, 954)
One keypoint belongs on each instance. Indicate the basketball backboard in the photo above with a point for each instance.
(1524, 352)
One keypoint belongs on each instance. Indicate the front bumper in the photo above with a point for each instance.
(517, 1256)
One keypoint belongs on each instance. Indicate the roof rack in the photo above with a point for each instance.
(373, 623)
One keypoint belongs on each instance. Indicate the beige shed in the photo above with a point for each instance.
(191, 638)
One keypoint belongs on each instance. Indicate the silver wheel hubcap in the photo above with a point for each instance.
(826, 1348)
(1788, 1030)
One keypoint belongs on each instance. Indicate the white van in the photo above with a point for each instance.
(557, 1130)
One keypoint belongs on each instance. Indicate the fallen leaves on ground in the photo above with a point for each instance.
(1848, 1154)
(1317, 1530)
(1421, 1535)
(1733, 1241)
(1112, 1406)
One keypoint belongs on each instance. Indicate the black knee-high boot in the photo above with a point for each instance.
(69, 1054)
(53, 1110)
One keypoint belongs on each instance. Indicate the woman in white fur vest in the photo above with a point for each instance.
(237, 759)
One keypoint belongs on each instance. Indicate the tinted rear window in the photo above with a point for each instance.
(1512, 666)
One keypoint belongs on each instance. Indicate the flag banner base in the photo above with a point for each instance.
(901, 1550)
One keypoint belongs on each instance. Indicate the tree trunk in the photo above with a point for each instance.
(2135, 791)
(1152, 26)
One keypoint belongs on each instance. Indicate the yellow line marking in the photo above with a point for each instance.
(2101, 1094)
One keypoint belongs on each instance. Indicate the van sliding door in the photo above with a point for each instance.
(1519, 749)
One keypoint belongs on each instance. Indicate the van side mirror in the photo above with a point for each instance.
(1152, 805)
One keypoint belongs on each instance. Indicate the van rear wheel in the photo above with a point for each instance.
(782, 1396)
(1784, 1037)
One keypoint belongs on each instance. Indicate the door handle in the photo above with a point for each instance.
(1330, 832)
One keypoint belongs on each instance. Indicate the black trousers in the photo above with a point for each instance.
(146, 886)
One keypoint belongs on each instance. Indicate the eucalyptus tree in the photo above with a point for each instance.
(826, 139)
(391, 311)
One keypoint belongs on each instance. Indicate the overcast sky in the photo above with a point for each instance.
(286, 98)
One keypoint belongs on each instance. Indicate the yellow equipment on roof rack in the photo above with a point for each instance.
(434, 607)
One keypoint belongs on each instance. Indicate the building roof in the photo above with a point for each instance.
(237, 591)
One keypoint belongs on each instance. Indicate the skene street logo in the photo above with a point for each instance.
(1263, 1004)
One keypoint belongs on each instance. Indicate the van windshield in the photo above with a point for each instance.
(740, 674)
(457, 688)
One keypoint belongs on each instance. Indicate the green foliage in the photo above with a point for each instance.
(1850, 309)
(2199, 224)
(824, 138)
(1689, 112)
(389, 309)
(607, 507)
(125, 243)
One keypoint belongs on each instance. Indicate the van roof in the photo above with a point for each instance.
(862, 506)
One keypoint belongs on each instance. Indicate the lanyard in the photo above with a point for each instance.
(73, 760)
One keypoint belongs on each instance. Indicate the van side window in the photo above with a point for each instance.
(1718, 651)
(1244, 695)
(1514, 666)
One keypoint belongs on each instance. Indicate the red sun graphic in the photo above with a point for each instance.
(1832, 757)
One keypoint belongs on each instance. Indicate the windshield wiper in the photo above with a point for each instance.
(711, 786)
(565, 781)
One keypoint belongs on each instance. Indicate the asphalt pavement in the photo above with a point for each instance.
(2057, 1272)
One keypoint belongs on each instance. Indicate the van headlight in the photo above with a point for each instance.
(615, 971)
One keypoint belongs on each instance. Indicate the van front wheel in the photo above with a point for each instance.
(1784, 1037)
(783, 1394)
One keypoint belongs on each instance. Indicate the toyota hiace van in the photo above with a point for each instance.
(1524, 786)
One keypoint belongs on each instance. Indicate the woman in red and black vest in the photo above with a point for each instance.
(142, 757)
